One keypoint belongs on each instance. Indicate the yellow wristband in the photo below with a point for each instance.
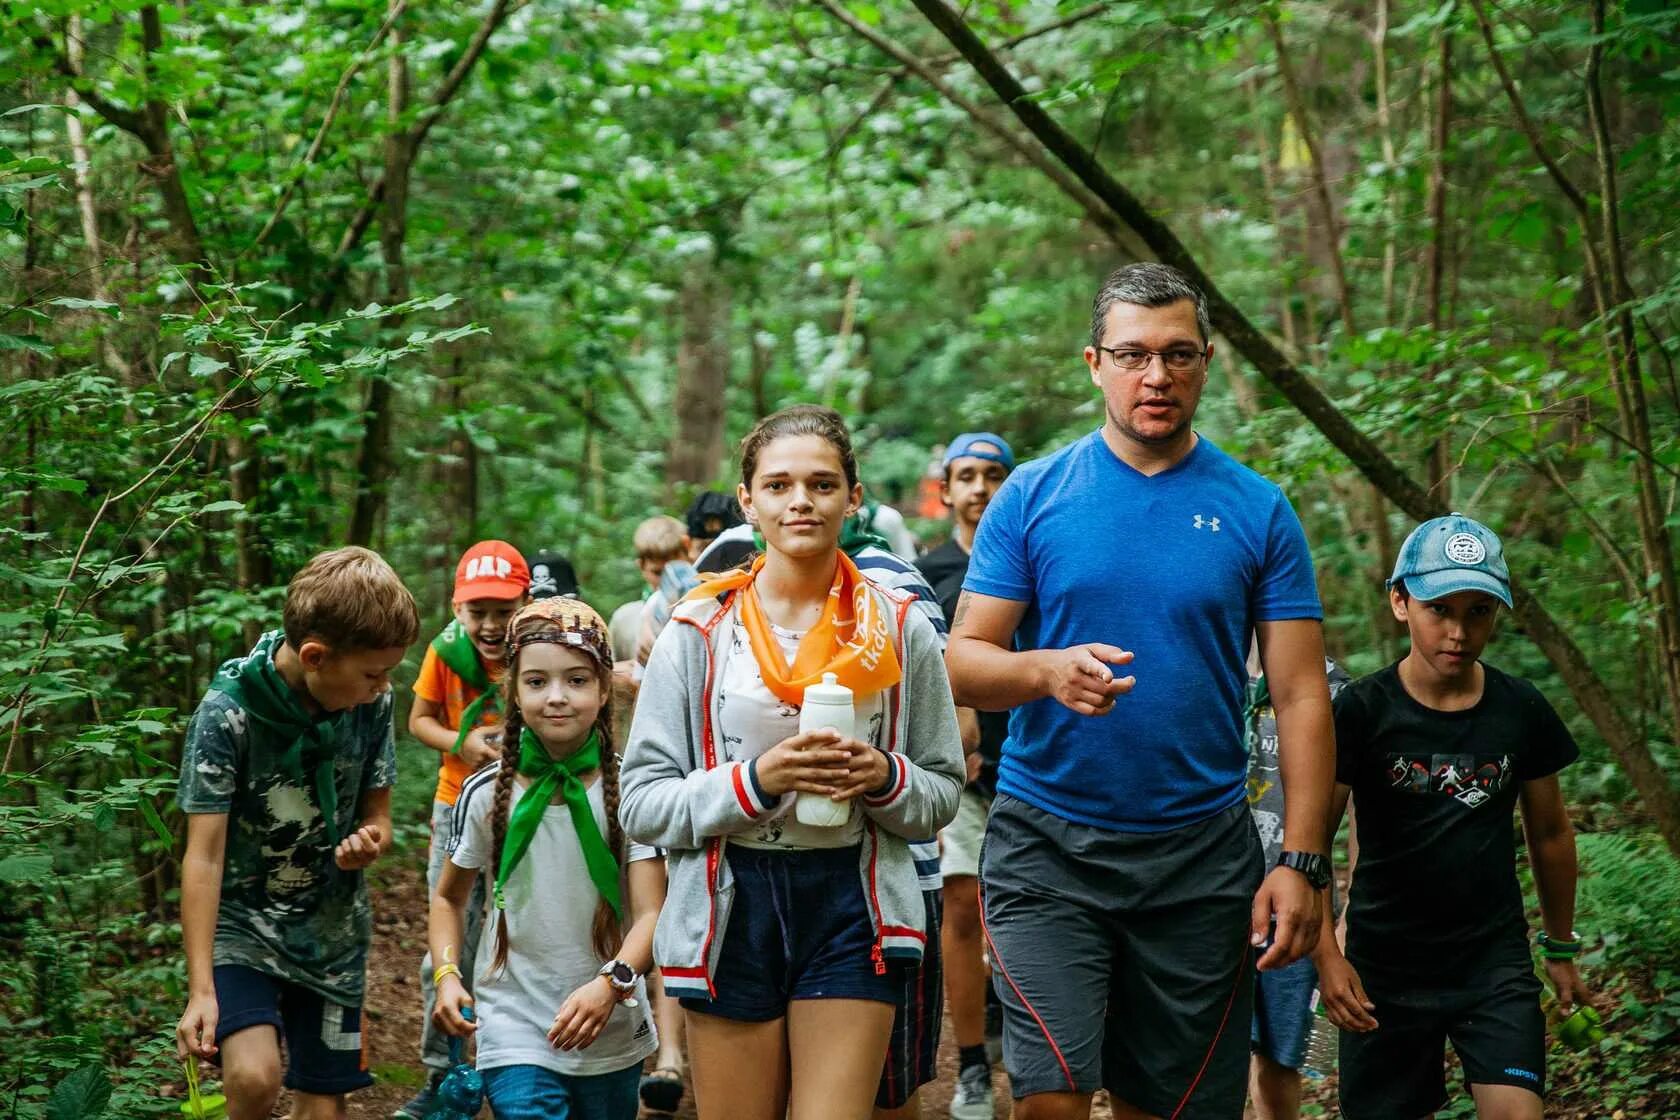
(443, 970)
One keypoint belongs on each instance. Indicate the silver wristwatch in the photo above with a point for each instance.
(623, 980)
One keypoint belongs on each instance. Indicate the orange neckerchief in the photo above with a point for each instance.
(856, 647)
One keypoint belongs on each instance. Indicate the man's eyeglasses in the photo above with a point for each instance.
(1178, 359)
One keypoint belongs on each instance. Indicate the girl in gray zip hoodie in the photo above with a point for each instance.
(778, 937)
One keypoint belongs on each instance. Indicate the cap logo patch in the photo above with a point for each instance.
(488, 567)
(1464, 548)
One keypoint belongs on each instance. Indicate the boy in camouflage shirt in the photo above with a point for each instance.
(286, 782)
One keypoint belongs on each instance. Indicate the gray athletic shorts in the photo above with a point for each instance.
(1122, 958)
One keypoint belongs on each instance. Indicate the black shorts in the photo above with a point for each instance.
(1122, 958)
(324, 1050)
(913, 1051)
(1493, 1020)
(799, 929)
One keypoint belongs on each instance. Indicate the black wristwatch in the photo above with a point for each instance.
(1314, 866)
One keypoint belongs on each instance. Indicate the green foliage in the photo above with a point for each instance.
(83, 1095)
(188, 393)
(1629, 895)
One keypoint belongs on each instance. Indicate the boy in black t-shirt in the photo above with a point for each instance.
(1436, 750)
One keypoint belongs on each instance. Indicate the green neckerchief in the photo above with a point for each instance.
(262, 693)
(854, 534)
(455, 649)
(548, 775)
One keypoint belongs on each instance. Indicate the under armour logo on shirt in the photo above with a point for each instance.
(1206, 522)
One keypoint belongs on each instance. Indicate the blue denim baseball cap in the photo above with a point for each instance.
(1446, 555)
(972, 445)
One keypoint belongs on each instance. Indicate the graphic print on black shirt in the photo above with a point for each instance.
(1433, 793)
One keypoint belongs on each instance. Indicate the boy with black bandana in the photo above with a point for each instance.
(1435, 751)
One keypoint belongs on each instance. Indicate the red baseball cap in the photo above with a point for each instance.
(491, 570)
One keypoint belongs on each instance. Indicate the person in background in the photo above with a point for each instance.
(457, 713)
(286, 783)
(975, 465)
(1283, 1003)
(881, 520)
(710, 513)
(658, 541)
(552, 574)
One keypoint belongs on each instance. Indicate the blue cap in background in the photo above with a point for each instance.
(964, 447)
(1446, 555)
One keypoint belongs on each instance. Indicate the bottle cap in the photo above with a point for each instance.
(830, 691)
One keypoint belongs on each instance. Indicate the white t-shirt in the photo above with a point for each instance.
(550, 909)
(752, 719)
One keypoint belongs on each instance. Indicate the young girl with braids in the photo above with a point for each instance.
(783, 940)
(561, 1015)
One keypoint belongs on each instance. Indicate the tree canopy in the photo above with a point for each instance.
(285, 276)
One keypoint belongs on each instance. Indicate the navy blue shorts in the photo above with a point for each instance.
(913, 1050)
(323, 1039)
(1283, 1013)
(799, 929)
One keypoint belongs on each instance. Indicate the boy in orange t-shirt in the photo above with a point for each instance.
(456, 713)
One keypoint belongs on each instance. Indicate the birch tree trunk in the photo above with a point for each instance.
(703, 359)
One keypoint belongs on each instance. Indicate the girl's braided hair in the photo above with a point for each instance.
(568, 622)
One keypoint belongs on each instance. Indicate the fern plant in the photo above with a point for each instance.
(1629, 894)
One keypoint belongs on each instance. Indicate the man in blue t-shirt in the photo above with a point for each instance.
(1123, 889)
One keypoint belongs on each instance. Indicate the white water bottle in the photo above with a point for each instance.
(828, 706)
(1320, 1059)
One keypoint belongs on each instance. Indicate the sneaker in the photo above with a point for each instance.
(424, 1102)
(973, 1098)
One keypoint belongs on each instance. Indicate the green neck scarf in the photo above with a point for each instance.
(455, 649)
(548, 775)
(262, 693)
(1259, 695)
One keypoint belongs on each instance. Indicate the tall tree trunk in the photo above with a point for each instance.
(1654, 788)
(703, 354)
(1319, 179)
(338, 271)
(82, 174)
(373, 463)
(1628, 381)
(1440, 452)
(1367, 511)
(1269, 186)
(1385, 131)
